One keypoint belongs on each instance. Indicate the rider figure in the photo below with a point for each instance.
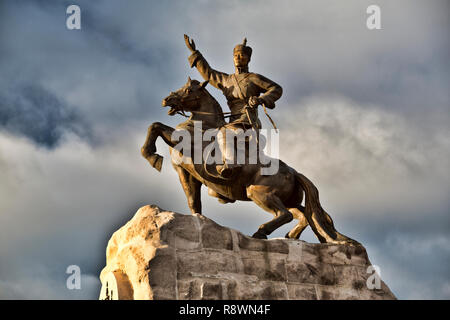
(242, 90)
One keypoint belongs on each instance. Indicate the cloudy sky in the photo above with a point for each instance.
(365, 115)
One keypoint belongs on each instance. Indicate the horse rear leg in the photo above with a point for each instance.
(298, 214)
(192, 189)
(319, 220)
(268, 201)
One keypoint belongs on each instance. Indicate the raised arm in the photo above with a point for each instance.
(196, 59)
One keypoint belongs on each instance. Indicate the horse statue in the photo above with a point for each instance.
(281, 194)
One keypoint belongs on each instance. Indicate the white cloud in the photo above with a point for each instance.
(60, 206)
(364, 155)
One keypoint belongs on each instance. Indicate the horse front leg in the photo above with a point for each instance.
(148, 150)
(192, 189)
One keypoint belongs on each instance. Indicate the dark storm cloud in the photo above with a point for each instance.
(101, 76)
(385, 182)
(38, 114)
(127, 57)
(417, 244)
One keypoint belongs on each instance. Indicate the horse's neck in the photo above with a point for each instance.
(209, 112)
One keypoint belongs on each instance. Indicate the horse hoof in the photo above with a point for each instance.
(155, 161)
(146, 152)
(259, 235)
(225, 200)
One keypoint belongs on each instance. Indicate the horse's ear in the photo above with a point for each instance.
(189, 80)
(204, 83)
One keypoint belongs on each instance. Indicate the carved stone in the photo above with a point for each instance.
(165, 255)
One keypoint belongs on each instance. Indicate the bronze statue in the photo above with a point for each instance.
(241, 89)
(280, 194)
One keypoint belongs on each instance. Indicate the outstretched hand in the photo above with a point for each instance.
(189, 44)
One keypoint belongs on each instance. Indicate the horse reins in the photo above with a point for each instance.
(229, 114)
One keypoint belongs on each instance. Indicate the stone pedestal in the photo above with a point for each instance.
(165, 255)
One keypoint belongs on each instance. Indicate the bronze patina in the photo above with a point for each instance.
(281, 193)
(244, 90)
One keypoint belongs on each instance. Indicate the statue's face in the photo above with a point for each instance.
(241, 59)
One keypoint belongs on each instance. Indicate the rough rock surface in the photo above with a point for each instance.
(165, 255)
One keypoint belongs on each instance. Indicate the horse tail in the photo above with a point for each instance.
(322, 223)
(312, 202)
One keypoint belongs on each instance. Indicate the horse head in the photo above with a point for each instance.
(187, 98)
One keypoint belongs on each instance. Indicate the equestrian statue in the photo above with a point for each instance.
(281, 193)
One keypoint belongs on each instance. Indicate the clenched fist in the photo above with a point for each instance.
(254, 101)
(189, 44)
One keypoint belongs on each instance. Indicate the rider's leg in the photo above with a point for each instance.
(234, 143)
(227, 150)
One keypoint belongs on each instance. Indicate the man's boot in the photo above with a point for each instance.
(227, 170)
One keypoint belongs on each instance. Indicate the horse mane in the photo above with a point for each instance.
(216, 104)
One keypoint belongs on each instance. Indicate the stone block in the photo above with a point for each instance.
(205, 262)
(189, 289)
(265, 269)
(261, 290)
(321, 273)
(216, 237)
(346, 275)
(343, 255)
(337, 293)
(162, 272)
(301, 291)
(276, 245)
(211, 291)
(185, 227)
